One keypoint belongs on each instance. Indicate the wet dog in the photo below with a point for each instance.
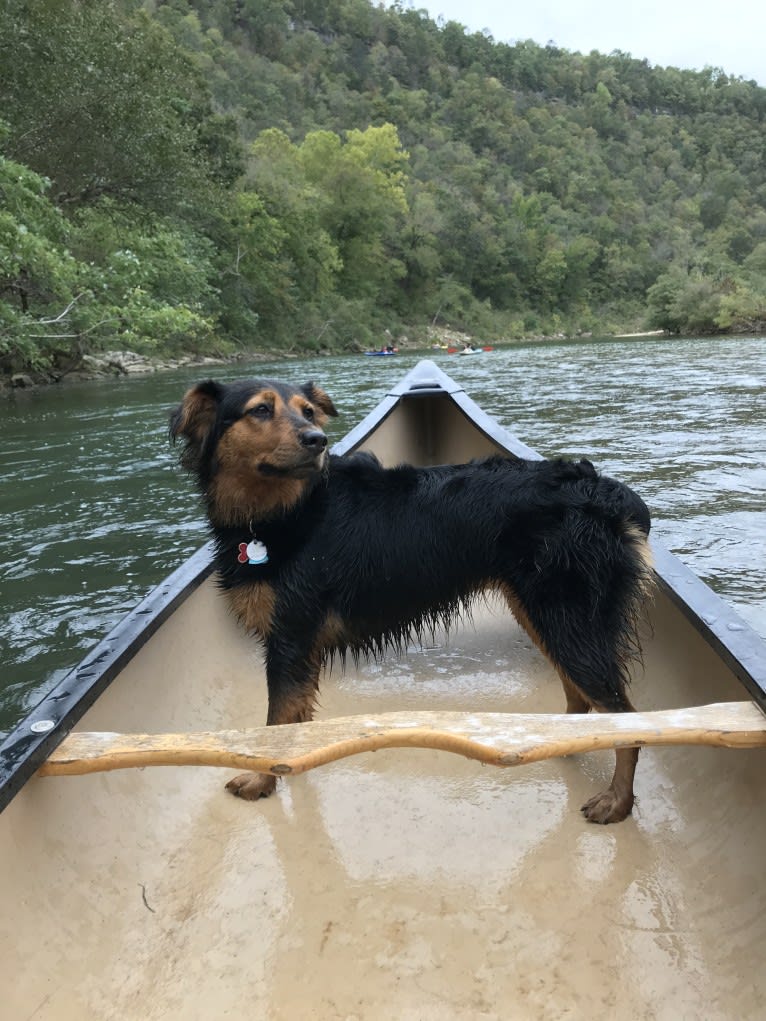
(322, 555)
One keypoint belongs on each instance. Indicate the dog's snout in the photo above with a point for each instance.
(314, 439)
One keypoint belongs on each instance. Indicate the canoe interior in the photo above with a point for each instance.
(405, 884)
(429, 430)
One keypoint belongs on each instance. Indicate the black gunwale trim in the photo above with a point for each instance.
(23, 751)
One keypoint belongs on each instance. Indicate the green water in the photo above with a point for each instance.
(95, 511)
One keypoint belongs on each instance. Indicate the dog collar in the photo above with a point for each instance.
(253, 552)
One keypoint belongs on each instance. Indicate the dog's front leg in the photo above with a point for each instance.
(293, 681)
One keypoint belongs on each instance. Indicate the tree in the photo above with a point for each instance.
(278, 176)
(38, 275)
(363, 204)
(104, 103)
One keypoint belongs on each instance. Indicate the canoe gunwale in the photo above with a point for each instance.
(24, 750)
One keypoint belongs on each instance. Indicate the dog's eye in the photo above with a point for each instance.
(260, 411)
(308, 412)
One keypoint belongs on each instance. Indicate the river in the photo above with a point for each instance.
(95, 510)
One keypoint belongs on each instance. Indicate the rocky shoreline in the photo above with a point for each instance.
(119, 363)
(113, 364)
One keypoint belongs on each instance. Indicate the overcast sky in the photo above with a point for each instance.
(685, 33)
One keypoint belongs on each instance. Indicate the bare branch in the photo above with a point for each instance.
(67, 310)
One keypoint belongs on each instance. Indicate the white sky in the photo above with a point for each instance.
(730, 34)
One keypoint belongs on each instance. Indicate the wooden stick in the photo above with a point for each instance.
(497, 739)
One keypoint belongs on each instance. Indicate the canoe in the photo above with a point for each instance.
(408, 883)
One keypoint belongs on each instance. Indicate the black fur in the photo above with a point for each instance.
(388, 555)
(397, 553)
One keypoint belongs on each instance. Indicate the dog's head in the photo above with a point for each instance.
(255, 446)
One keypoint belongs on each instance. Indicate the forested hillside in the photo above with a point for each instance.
(207, 175)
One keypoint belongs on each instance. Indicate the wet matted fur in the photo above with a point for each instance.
(322, 555)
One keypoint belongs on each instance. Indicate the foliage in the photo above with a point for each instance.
(108, 104)
(100, 279)
(305, 174)
(37, 273)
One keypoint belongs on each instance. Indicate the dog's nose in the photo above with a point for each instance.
(314, 439)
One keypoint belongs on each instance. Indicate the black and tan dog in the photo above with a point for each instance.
(321, 554)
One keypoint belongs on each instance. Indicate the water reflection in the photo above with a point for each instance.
(95, 510)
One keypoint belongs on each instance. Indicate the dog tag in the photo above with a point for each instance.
(253, 552)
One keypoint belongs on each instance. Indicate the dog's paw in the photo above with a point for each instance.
(252, 786)
(607, 807)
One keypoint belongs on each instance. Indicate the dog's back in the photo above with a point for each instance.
(391, 553)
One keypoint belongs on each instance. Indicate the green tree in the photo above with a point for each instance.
(363, 204)
(277, 174)
(107, 104)
(38, 276)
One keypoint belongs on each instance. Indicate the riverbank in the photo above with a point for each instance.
(112, 364)
(127, 363)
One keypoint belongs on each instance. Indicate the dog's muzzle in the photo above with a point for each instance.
(308, 460)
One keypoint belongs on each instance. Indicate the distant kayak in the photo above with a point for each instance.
(381, 354)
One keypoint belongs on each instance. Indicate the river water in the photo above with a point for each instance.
(95, 510)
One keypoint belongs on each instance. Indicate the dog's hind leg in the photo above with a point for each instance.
(293, 684)
(599, 671)
(576, 701)
(616, 802)
(252, 786)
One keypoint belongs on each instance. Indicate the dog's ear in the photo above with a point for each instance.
(317, 396)
(195, 415)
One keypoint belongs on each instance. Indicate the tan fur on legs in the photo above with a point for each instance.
(576, 701)
(297, 706)
(616, 802)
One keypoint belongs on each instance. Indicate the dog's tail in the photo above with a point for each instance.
(615, 500)
(632, 522)
(600, 565)
(632, 509)
(634, 582)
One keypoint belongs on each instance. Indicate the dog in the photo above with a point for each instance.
(321, 555)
